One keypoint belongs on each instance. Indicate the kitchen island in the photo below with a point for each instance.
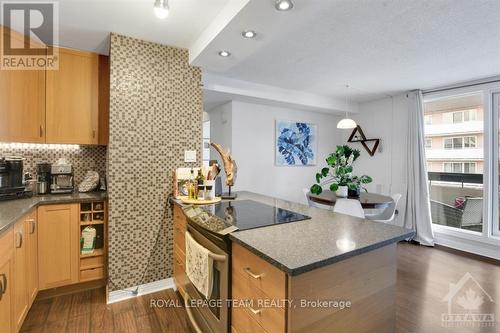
(329, 273)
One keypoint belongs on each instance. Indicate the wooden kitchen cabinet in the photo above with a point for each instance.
(22, 102)
(58, 244)
(31, 230)
(72, 105)
(180, 225)
(21, 299)
(6, 280)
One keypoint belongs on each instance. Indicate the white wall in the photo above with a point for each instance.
(252, 145)
(221, 131)
(385, 119)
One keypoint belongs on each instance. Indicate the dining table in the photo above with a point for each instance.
(367, 200)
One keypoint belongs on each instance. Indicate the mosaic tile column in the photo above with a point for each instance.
(155, 115)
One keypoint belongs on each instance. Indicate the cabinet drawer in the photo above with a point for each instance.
(91, 262)
(260, 274)
(268, 312)
(180, 274)
(92, 274)
(243, 323)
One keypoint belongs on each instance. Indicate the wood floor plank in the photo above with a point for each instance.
(424, 276)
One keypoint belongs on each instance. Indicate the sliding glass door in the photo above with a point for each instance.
(496, 166)
(454, 142)
(462, 146)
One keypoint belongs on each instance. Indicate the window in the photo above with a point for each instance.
(428, 119)
(460, 142)
(470, 142)
(458, 117)
(469, 167)
(463, 116)
(428, 143)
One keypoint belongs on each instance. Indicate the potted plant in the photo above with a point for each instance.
(339, 174)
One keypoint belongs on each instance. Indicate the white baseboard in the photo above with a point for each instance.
(143, 289)
(467, 245)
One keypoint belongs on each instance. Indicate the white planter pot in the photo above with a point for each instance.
(342, 192)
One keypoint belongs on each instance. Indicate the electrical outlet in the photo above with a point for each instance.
(190, 156)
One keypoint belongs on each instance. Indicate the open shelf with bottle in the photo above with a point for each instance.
(93, 218)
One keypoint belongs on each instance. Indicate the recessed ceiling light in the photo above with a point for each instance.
(283, 5)
(249, 34)
(161, 8)
(224, 54)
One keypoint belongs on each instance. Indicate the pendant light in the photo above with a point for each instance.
(346, 123)
(161, 8)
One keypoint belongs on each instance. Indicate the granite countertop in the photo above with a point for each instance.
(12, 210)
(326, 238)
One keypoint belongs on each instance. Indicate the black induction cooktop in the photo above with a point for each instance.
(229, 216)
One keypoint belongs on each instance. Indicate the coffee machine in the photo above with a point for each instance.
(11, 178)
(43, 177)
(61, 175)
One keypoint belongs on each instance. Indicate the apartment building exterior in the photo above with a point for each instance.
(454, 137)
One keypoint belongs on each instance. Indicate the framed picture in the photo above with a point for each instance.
(295, 143)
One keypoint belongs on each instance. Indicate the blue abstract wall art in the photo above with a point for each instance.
(295, 143)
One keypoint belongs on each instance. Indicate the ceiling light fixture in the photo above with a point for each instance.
(161, 8)
(224, 53)
(283, 5)
(249, 34)
(346, 123)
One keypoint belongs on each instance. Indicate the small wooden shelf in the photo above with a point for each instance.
(97, 252)
(85, 268)
(84, 223)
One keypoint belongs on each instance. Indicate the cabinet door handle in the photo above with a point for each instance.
(93, 134)
(32, 224)
(19, 239)
(249, 272)
(3, 287)
(41, 131)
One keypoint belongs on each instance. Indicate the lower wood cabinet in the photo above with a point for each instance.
(180, 225)
(32, 255)
(21, 299)
(6, 280)
(58, 244)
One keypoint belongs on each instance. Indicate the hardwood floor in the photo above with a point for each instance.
(87, 312)
(424, 277)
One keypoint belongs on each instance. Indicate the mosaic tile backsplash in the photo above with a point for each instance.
(83, 158)
(155, 114)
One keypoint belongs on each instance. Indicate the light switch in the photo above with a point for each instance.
(189, 156)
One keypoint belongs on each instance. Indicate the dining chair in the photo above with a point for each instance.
(312, 203)
(349, 207)
(388, 214)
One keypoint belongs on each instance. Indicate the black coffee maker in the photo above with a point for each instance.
(11, 178)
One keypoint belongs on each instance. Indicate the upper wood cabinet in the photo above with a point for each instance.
(72, 111)
(68, 105)
(22, 102)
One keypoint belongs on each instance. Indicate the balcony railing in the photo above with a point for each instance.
(456, 206)
(452, 177)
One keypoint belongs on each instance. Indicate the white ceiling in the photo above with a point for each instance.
(86, 24)
(378, 47)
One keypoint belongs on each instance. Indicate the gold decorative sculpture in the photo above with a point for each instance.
(230, 167)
